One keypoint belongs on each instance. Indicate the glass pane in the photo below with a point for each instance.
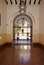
(22, 36)
(19, 23)
(15, 36)
(29, 30)
(18, 30)
(25, 23)
(28, 23)
(22, 23)
(29, 37)
(25, 30)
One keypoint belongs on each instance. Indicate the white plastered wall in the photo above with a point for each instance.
(32, 10)
(3, 21)
(41, 13)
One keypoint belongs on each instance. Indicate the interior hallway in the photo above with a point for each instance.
(15, 14)
(34, 55)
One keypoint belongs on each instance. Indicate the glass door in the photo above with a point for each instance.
(22, 32)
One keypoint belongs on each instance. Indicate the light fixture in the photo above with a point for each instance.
(22, 7)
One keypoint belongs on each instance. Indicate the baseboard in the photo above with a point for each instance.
(39, 45)
(5, 45)
(36, 44)
(9, 44)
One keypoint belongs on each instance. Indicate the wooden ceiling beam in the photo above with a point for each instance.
(6, 1)
(20, 2)
(39, 1)
(11, 2)
(25, 2)
(30, 2)
(34, 1)
(15, 1)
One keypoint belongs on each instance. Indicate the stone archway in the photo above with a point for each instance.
(22, 29)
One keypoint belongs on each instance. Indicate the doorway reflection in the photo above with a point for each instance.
(25, 56)
(23, 53)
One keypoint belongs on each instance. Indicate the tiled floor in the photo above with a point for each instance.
(31, 56)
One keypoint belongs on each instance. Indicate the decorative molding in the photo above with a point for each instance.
(22, 7)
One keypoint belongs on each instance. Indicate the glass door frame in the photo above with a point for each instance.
(17, 18)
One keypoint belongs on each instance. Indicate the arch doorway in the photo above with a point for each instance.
(22, 29)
